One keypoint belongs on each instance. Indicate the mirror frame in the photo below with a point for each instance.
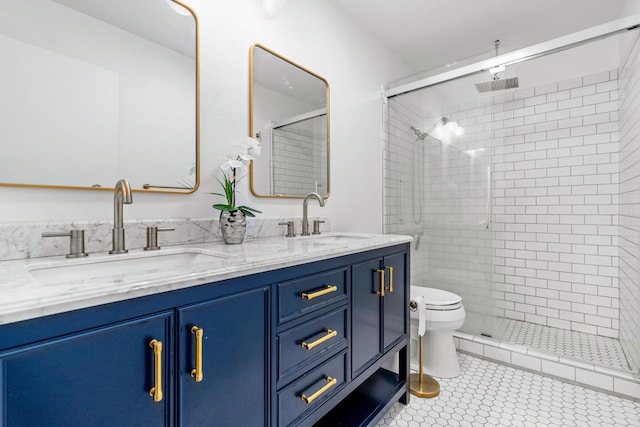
(155, 189)
(251, 130)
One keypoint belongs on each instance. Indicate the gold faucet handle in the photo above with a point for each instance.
(76, 243)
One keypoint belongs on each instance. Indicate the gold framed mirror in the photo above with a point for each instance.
(289, 115)
(96, 91)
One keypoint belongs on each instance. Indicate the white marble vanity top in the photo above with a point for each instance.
(23, 296)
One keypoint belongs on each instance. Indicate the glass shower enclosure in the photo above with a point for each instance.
(438, 190)
(523, 198)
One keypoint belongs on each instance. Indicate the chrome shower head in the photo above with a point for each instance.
(497, 84)
(442, 130)
(421, 135)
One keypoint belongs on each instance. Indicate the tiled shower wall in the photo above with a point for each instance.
(297, 151)
(452, 245)
(556, 204)
(399, 211)
(630, 207)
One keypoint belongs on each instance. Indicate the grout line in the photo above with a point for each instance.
(562, 361)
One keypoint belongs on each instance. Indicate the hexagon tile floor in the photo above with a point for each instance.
(489, 394)
(576, 345)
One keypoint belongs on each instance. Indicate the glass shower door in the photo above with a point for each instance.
(438, 189)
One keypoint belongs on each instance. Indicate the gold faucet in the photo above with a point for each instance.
(121, 195)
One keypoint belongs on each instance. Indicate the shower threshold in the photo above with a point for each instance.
(590, 348)
(621, 382)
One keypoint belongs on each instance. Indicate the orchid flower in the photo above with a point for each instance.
(244, 151)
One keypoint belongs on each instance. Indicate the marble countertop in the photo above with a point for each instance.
(26, 297)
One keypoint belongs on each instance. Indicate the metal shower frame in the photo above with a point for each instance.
(627, 23)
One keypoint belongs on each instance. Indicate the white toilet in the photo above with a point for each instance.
(444, 314)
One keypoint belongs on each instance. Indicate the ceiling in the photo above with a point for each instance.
(427, 34)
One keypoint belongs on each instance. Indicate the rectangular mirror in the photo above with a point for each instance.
(94, 91)
(289, 115)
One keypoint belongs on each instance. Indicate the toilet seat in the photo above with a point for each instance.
(441, 300)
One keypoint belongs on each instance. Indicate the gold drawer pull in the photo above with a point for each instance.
(197, 372)
(156, 391)
(330, 383)
(312, 295)
(390, 288)
(330, 334)
(381, 291)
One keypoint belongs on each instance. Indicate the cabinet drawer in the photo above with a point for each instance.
(306, 294)
(311, 340)
(316, 386)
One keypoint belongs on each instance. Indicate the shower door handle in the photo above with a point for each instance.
(488, 208)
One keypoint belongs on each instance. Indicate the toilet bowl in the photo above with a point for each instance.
(444, 314)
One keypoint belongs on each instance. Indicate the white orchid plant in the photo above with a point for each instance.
(244, 151)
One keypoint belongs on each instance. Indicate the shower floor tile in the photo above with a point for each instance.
(489, 394)
(576, 345)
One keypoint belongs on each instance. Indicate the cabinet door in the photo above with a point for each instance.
(395, 305)
(233, 390)
(365, 314)
(97, 378)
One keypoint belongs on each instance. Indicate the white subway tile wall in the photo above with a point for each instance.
(630, 207)
(564, 246)
(556, 204)
(298, 151)
(401, 214)
(452, 247)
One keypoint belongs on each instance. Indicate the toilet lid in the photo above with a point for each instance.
(438, 299)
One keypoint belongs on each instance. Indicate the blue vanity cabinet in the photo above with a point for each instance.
(99, 377)
(222, 361)
(395, 304)
(378, 338)
(297, 346)
(378, 313)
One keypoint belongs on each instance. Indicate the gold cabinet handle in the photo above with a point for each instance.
(197, 373)
(330, 334)
(312, 295)
(390, 288)
(330, 383)
(156, 391)
(381, 291)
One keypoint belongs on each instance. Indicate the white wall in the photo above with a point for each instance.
(312, 33)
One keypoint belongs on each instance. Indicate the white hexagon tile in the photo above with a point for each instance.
(596, 349)
(489, 394)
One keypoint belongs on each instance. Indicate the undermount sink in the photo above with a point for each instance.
(115, 266)
(335, 238)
